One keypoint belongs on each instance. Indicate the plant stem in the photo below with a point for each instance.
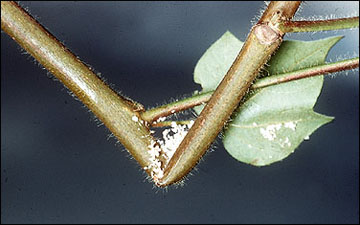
(117, 113)
(320, 25)
(188, 103)
(152, 115)
(308, 72)
(261, 43)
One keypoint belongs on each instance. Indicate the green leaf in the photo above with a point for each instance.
(274, 120)
(271, 136)
(216, 61)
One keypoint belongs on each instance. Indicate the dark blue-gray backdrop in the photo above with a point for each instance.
(57, 166)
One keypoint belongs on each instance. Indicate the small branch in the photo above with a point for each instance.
(118, 114)
(308, 72)
(152, 115)
(188, 103)
(320, 25)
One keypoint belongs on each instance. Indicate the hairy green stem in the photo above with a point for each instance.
(261, 43)
(329, 68)
(320, 25)
(152, 115)
(120, 115)
(187, 103)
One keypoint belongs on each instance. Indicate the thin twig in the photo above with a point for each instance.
(308, 72)
(319, 25)
(152, 115)
(188, 103)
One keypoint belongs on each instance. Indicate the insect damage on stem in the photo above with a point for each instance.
(162, 150)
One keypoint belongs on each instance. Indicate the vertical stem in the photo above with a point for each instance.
(118, 114)
(261, 43)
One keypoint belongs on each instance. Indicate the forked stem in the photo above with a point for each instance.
(123, 117)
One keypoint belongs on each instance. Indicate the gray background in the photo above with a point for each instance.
(58, 166)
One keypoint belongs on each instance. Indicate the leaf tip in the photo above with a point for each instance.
(228, 32)
(328, 119)
(335, 39)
